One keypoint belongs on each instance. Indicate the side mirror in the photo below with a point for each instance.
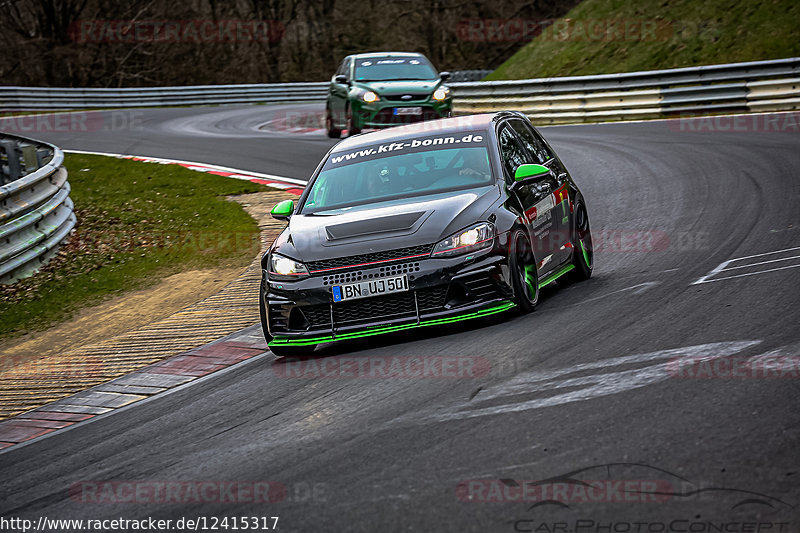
(282, 210)
(340, 78)
(530, 172)
(444, 75)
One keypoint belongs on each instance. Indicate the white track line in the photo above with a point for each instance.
(749, 274)
(723, 267)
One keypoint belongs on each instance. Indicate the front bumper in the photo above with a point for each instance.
(441, 291)
(381, 114)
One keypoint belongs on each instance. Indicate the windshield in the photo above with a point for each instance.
(394, 68)
(418, 167)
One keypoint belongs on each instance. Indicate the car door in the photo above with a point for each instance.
(534, 199)
(543, 155)
(337, 97)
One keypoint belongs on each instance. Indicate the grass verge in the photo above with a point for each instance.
(137, 223)
(607, 36)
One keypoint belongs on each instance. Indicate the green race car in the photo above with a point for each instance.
(383, 89)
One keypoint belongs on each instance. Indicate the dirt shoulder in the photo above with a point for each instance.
(127, 319)
(121, 314)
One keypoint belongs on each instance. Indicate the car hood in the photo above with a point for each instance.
(400, 87)
(385, 226)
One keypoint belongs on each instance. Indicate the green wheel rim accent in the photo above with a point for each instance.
(285, 341)
(530, 278)
(586, 256)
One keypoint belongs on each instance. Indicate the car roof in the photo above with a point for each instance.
(442, 126)
(384, 54)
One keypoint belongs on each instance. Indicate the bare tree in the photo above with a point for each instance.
(83, 43)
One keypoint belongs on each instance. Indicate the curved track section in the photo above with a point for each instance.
(697, 236)
(255, 138)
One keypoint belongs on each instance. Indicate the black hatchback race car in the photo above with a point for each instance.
(422, 225)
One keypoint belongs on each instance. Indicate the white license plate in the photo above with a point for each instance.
(407, 110)
(365, 289)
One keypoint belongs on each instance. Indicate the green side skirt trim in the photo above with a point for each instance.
(287, 341)
(552, 277)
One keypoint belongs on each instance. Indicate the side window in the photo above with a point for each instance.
(342, 68)
(511, 151)
(532, 142)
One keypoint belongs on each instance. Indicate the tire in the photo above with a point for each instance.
(333, 133)
(583, 254)
(523, 273)
(352, 129)
(279, 351)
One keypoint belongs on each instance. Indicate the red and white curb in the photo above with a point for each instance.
(291, 185)
(159, 378)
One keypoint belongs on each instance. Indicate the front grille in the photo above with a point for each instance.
(430, 299)
(375, 309)
(399, 97)
(354, 261)
(354, 276)
(372, 309)
(387, 116)
(318, 316)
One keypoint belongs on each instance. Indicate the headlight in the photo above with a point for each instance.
(281, 267)
(441, 93)
(369, 97)
(472, 239)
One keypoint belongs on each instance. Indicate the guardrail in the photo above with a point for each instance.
(46, 98)
(35, 208)
(736, 87)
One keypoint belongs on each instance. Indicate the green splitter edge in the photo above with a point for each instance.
(285, 341)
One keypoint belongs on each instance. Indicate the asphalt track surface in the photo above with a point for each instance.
(585, 388)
